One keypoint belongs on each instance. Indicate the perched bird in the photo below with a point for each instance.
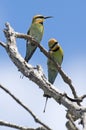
(56, 53)
(36, 30)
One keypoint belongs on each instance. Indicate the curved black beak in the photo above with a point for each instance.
(48, 17)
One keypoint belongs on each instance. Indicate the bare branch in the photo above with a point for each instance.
(35, 76)
(2, 44)
(26, 108)
(71, 126)
(62, 73)
(70, 123)
(7, 124)
(18, 35)
(39, 78)
(84, 121)
(3, 123)
(78, 99)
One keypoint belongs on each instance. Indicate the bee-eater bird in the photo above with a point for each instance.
(56, 53)
(36, 30)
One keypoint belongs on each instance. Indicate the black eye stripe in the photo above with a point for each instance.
(54, 45)
(56, 49)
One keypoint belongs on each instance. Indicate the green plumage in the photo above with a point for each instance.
(36, 30)
(52, 70)
(56, 53)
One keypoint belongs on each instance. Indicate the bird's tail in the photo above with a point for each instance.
(45, 103)
(29, 52)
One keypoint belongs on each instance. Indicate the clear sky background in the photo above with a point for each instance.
(68, 25)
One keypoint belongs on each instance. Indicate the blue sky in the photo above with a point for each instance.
(68, 25)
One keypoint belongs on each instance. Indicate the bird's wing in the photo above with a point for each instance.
(30, 49)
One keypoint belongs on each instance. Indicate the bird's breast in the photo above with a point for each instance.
(36, 31)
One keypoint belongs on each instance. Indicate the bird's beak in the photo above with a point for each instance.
(48, 17)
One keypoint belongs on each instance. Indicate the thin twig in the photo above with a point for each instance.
(79, 99)
(7, 124)
(25, 107)
(11, 125)
(3, 44)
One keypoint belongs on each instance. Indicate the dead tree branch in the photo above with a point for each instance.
(70, 123)
(38, 77)
(7, 124)
(25, 107)
(62, 73)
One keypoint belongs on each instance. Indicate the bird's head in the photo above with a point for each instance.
(40, 18)
(53, 45)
